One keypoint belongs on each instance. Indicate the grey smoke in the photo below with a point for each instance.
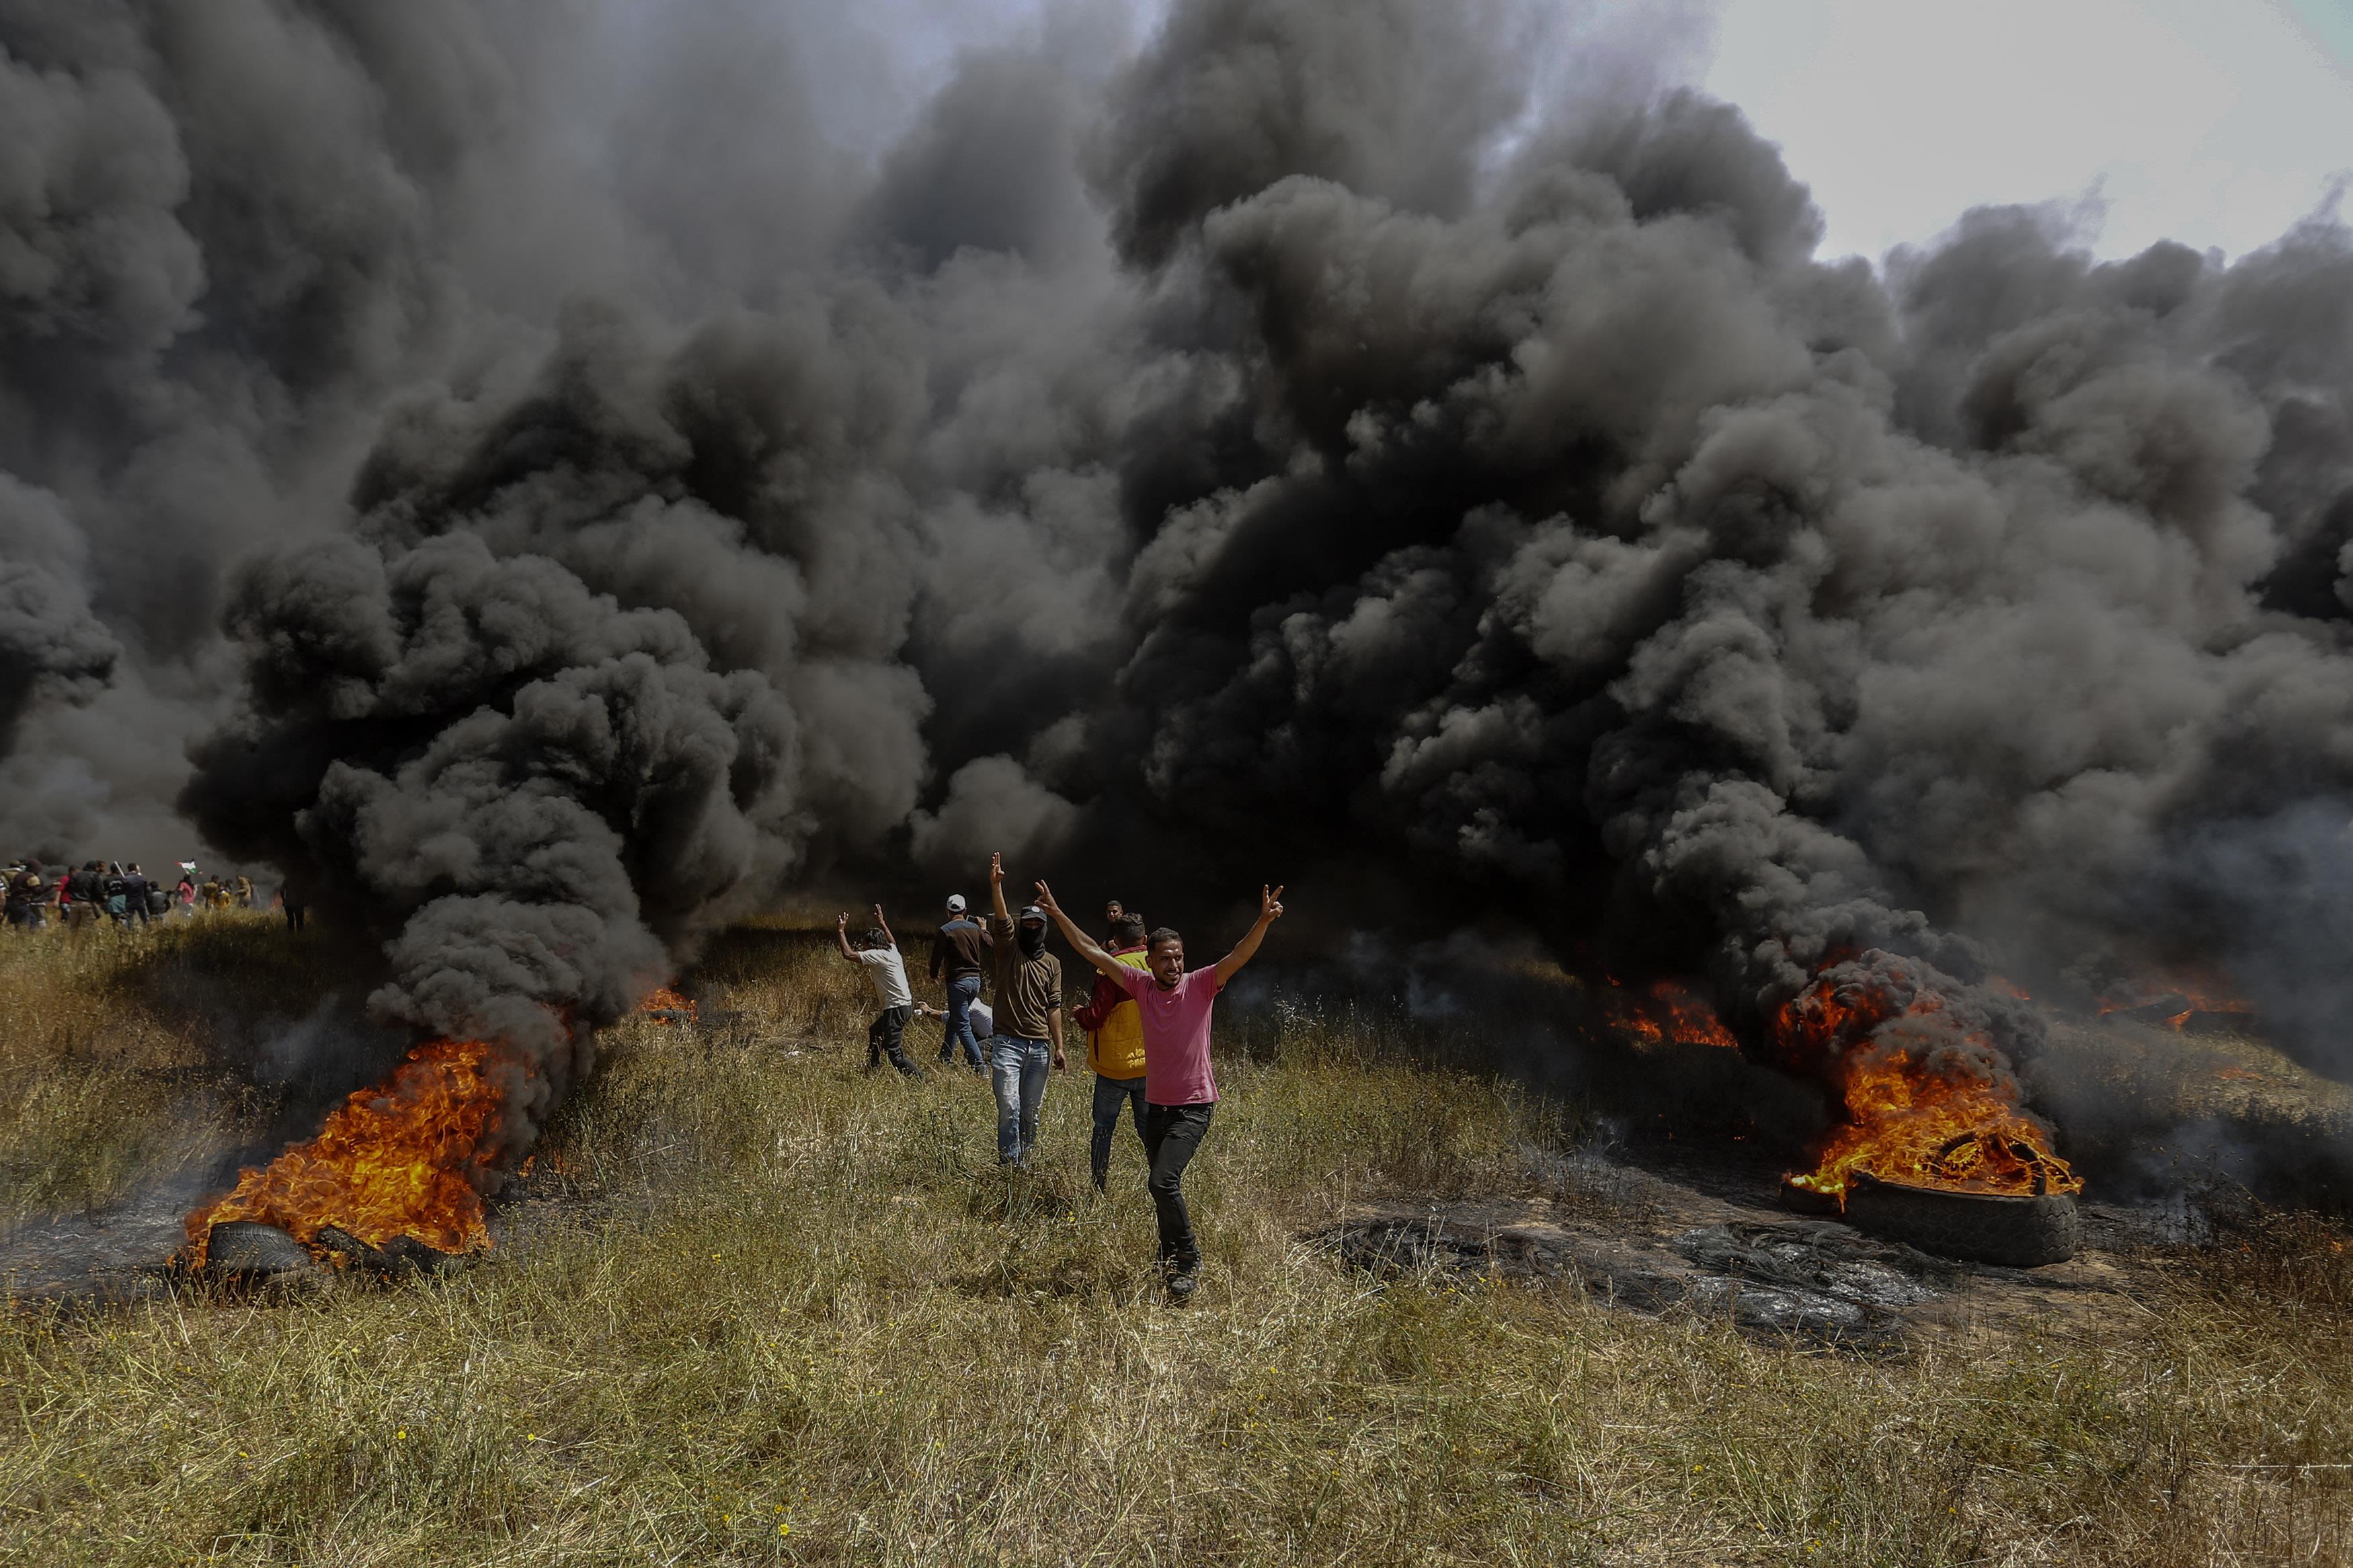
(574, 498)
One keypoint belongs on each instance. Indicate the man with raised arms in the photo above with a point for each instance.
(1028, 1019)
(1179, 1091)
(878, 950)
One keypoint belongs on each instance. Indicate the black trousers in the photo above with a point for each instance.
(886, 1036)
(1171, 1134)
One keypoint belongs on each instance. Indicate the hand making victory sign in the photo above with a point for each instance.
(1167, 958)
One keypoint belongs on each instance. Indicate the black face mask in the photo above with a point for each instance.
(1032, 939)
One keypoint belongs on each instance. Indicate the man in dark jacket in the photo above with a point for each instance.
(135, 890)
(28, 893)
(959, 956)
(82, 888)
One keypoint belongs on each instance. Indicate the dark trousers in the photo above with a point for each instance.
(294, 914)
(1112, 1096)
(963, 991)
(1171, 1134)
(886, 1036)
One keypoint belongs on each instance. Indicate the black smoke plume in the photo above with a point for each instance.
(568, 499)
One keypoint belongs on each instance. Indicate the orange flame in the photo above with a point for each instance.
(407, 1157)
(1906, 1122)
(1670, 1013)
(2182, 996)
(665, 1006)
(1925, 1130)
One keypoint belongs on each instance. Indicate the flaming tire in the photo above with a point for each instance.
(1982, 1227)
(242, 1249)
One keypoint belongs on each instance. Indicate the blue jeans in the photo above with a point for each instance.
(1018, 1068)
(1113, 1095)
(962, 995)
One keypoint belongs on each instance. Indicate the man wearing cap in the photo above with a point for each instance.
(959, 957)
(1028, 1018)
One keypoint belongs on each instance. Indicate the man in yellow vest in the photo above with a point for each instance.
(1115, 1046)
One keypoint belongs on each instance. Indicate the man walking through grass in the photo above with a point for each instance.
(1180, 1092)
(1028, 1019)
(959, 957)
(878, 951)
(1116, 1048)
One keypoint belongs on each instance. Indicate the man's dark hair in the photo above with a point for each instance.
(1167, 933)
(1127, 931)
(877, 937)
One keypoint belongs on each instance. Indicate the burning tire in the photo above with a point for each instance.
(1983, 1228)
(242, 1249)
(402, 1255)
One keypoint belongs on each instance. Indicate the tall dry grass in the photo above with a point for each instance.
(126, 1050)
(786, 1313)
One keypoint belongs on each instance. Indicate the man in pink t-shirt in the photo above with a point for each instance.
(1179, 1091)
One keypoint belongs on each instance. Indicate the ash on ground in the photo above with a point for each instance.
(117, 1254)
(127, 1253)
(1672, 1234)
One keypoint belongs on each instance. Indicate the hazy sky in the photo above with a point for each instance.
(2217, 122)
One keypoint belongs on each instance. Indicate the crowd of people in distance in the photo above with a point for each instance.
(122, 894)
(1147, 1020)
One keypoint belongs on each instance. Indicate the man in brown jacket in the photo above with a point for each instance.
(1028, 1018)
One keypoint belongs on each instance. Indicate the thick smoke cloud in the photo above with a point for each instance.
(572, 499)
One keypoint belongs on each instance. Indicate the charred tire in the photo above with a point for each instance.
(1983, 1228)
(245, 1250)
(1805, 1200)
(401, 1255)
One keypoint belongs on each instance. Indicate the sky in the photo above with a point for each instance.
(2215, 123)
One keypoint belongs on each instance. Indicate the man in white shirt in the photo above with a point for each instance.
(878, 951)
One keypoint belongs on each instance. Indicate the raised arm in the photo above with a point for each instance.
(841, 936)
(1269, 910)
(996, 888)
(887, 934)
(1085, 946)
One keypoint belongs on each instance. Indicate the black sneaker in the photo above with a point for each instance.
(1181, 1286)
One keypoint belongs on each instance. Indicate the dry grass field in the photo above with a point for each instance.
(757, 1307)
